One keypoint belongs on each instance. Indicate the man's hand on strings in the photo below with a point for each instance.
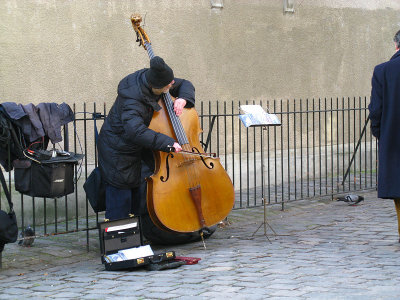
(177, 147)
(179, 104)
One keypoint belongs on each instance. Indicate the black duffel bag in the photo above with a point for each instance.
(95, 191)
(8, 228)
(8, 221)
(50, 178)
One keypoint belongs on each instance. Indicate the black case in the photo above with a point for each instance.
(45, 180)
(112, 242)
(50, 178)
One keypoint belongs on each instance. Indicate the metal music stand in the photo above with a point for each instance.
(256, 116)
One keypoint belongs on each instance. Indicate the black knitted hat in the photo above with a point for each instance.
(159, 74)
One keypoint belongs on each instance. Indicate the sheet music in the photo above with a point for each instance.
(133, 253)
(255, 115)
(114, 257)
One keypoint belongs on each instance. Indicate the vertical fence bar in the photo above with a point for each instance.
(34, 212)
(66, 148)
(366, 142)
(210, 126)
(319, 146)
(94, 117)
(308, 154)
(86, 163)
(218, 135)
(326, 146)
(343, 141)
(313, 143)
(275, 160)
(354, 144)
(254, 164)
(66, 211)
(202, 122)
(360, 145)
(44, 215)
(268, 160)
(301, 148)
(247, 165)
(233, 141)
(348, 140)
(225, 138)
(337, 146)
(75, 150)
(294, 149)
(332, 157)
(282, 164)
(370, 156)
(240, 163)
(23, 212)
(288, 147)
(55, 216)
(262, 129)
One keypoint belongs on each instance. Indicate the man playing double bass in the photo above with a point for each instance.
(126, 143)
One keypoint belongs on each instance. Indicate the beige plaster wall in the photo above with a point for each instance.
(78, 50)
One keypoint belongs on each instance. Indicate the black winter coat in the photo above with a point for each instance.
(385, 126)
(125, 139)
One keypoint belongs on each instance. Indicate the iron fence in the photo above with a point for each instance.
(312, 154)
(321, 150)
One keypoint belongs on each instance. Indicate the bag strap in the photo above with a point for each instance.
(5, 188)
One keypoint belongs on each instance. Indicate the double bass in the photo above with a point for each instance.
(190, 190)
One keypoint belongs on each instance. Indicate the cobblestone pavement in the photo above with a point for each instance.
(323, 250)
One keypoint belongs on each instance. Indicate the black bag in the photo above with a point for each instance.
(8, 228)
(8, 221)
(50, 178)
(96, 191)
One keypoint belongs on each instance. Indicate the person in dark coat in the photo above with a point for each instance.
(384, 112)
(125, 142)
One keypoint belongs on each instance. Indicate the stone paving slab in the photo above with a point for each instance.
(323, 250)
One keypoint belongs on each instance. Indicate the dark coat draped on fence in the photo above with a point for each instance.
(385, 125)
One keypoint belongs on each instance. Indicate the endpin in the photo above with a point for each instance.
(202, 238)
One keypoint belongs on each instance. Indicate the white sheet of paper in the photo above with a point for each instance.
(256, 115)
(133, 253)
(121, 227)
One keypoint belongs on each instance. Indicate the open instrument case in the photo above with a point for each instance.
(121, 246)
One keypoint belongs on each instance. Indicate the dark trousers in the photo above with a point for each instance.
(120, 203)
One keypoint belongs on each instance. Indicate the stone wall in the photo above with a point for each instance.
(78, 51)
